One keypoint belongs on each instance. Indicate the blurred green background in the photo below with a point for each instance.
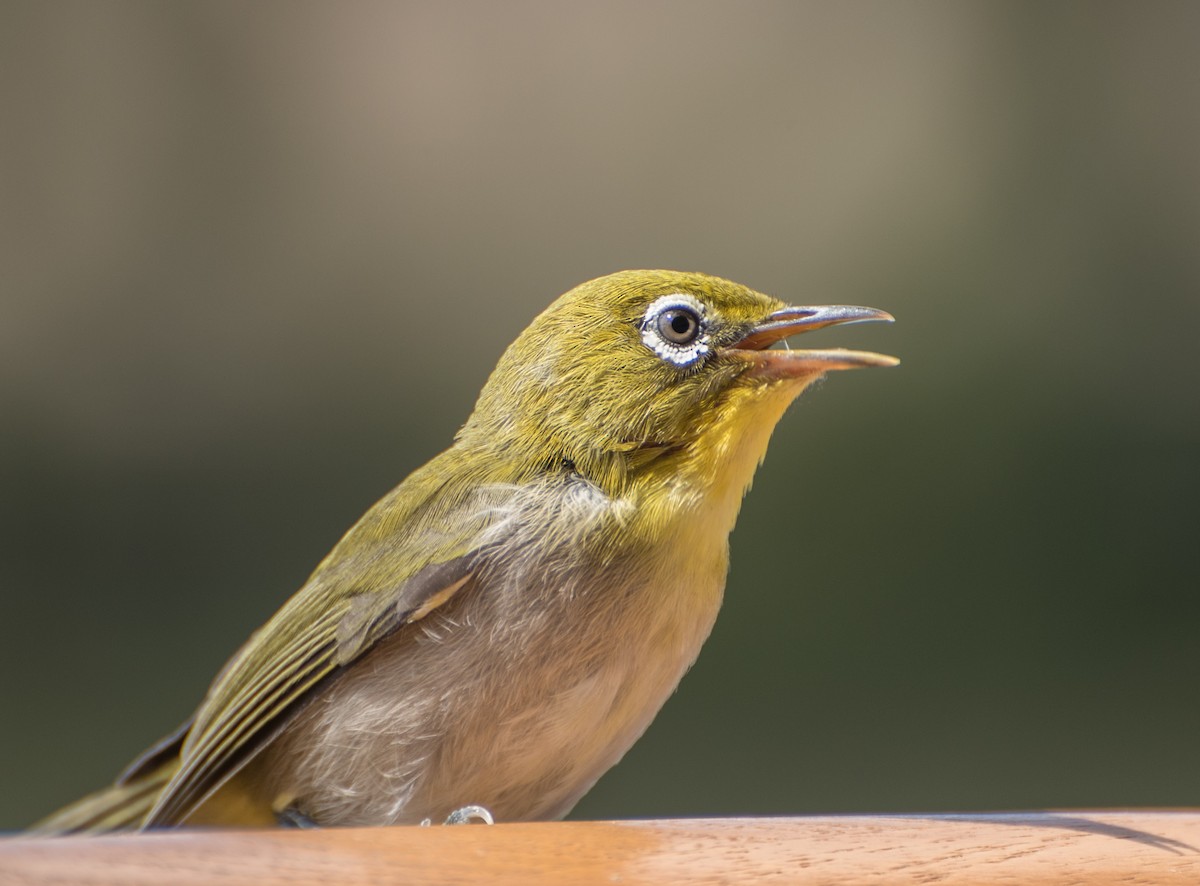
(256, 260)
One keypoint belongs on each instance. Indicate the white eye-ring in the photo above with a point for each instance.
(674, 328)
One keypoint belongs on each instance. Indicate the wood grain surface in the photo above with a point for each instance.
(1097, 848)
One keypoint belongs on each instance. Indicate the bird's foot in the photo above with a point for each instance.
(465, 815)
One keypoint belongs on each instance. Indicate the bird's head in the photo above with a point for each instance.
(628, 368)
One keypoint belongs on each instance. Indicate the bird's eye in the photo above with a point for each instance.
(675, 328)
(679, 325)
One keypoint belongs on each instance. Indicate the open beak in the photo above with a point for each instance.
(787, 363)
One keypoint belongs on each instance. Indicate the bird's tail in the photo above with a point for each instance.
(122, 806)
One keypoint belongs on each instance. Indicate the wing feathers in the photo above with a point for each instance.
(268, 680)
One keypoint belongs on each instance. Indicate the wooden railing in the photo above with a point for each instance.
(1128, 848)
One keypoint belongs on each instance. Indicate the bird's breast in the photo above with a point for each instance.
(520, 691)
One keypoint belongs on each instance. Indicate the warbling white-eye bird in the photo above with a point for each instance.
(503, 625)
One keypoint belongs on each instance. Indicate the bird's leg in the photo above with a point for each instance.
(291, 817)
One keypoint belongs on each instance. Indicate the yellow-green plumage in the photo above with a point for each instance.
(500, 627)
